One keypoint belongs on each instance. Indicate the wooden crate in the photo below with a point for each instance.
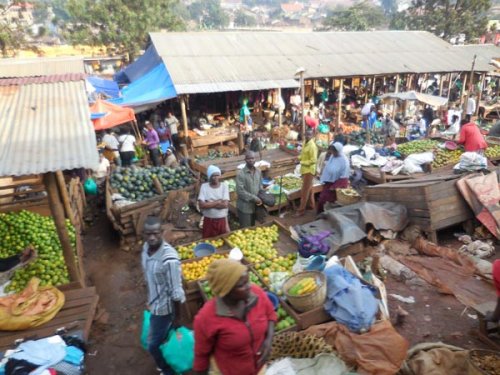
(128, 220)
(309, 318)
(433, 202)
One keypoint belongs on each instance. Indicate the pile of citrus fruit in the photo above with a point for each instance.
(186, 252)
(20, 229)
(197, 270)
(284, 320)
(278, 264)
(256, 244)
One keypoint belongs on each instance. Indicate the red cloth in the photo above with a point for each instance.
(496, 275)
(328, 194)
(312, 122)
(471, 137)
(232, 342)
(214, 227)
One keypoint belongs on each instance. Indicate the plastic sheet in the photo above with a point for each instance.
(348, 224)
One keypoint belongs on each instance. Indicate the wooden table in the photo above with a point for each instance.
(282, 161)
(78, 313)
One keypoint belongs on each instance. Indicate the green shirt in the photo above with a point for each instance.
(248, 184)
(308, 158)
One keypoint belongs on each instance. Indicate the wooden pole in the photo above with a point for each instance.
(409, 83)
(302, 100)
(280, 116)
(374, 81)
(423, 82)
(184, 116)
(396, 87)
(339, 111)
(462, 93)
(450, 80)
(366, 89)
(57, 210)
(64, 196)
(441, 82)
(480, 93)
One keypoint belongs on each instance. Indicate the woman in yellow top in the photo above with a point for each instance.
(308, 158)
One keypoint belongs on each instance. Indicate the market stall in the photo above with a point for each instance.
(38, 210)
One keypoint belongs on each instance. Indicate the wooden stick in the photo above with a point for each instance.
(63, 191)
(57, 211)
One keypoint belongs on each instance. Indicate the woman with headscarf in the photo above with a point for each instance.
(234, 330)
(214, 202)
(335, 175)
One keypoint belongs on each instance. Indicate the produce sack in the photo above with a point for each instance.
(32, 307)
(178, 350)
(90, 187)
(146, 316)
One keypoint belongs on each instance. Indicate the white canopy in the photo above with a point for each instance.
(435, 101)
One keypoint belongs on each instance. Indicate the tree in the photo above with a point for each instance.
(14, 34)
(445, 18)
(359, 17)
(244, 19)
(120, 24)
(209, 14)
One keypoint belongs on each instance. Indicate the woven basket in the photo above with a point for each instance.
(344, 199)
(308, 301)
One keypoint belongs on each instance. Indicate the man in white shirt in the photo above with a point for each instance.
(172, 124)
(471, 107)
(127, 148)
(112, 146)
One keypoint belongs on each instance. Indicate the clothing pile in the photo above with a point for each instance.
(50, 355)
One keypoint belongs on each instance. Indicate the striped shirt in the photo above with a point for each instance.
(162, 271)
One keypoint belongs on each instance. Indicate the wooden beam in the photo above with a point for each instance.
(366, 89)
(396, 87)
(441, 82)
(450, 81)
(280, 115)
(341, 94)
(182, 99)
(57, 210)
(480, 94)
(63, 192)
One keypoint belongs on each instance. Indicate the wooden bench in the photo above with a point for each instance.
(76, 315)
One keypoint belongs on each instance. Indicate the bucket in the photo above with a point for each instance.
(274, 300)
(203, 249)
(474, 369)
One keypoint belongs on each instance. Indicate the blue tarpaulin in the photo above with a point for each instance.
(155, 86)
(106, 86)
(140, 67)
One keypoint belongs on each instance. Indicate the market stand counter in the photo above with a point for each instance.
(433, 202)
(76, 317)
(282, 161)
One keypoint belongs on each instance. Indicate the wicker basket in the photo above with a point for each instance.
(308, 301)
(345, 199)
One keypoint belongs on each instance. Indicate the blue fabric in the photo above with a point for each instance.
(98, 115)
(213, 169)
(74, 355)
(372, 118)
(348, 301)
(155, 86)
(106, 86)
(159, 327)
(43, 353)
(140, 67)
(336, 167)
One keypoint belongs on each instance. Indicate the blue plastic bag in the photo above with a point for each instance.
(90, 187)
(178, 350)
(146, 316)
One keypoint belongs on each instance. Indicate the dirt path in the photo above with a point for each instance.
(117, 275)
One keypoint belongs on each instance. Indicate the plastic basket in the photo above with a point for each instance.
(308, 301)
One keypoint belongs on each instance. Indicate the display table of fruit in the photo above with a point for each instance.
(19, 230)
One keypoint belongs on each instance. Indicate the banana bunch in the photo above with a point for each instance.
(350, 192)
(305, 286)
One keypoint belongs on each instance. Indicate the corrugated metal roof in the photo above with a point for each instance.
(41, 66)
(210, 61)
(69, 77)
(45, 127)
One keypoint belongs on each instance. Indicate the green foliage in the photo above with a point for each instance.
(120, 24)
(14, 34)
(208, 14)
(244, 19)
(445, 18)
(359, 17)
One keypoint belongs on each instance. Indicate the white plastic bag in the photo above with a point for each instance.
(412, 164)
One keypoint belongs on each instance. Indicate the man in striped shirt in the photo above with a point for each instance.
(162, 270)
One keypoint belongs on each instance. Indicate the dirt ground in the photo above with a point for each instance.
(117, 275)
